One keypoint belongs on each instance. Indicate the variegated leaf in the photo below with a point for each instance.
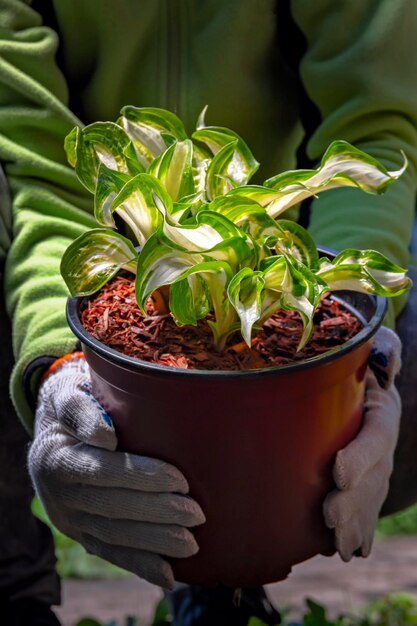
(214, 277)
(212, 234)
(160, 265)
(151, 130)
(94, 258)
(243, 165)
(135, 203)
(296, 241)
(245, 294)
(365, 271)
(88, 147)
(298, 288)
(342, 166)
(174, 169)
(109, 183)
(188, 300)
(217, 182)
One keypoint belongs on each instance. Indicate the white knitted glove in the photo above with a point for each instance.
(128, 509)
(362, 470)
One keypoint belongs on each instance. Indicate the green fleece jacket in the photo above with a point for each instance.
(63, 62)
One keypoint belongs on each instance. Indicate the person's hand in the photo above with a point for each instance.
(128, 509)
(363, 468)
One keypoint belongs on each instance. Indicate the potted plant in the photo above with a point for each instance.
(256, 444)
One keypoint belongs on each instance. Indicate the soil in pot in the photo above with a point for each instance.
(114, 318)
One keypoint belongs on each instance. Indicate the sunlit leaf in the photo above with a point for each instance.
(217, 183)
(70, 145)
(174, 169)
(243, 165)
(109, 183)
(135, 203)
(296, 241)
(342, 165)
(245, 213)
(88, 147)
(94, 258)
(159, 265)
(187, 208)
(365, 271)
(188, 300)
(258, 193)
(133, 164)
(298, 288)
(212, 234)
(244, 292)
(213, 279)
(151, 130)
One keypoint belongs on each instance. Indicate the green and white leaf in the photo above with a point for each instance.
(275, 202)
(133, 164)
(342, 166)
(245, 294)
(258, 193)
(109, 183)
(217, 181)
(212, 235)
(366, 271)
(298, 288)
(235, 251)
(194, 238)
(216, 137)
(151, 130)
(88, 147)
(174, 169)
(246, 213)
(213, 277)
(94, 258)
(135, 203)
(250, 218)
(184, 212)
(295, 241)
(200, 168)
(160, 265)
(188, 300)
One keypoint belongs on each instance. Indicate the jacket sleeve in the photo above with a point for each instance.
(49, 206)
(359, 71)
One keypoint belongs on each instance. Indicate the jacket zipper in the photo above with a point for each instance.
(173, 31)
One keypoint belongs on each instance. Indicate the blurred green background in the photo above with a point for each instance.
(74, 562)
(399, 609)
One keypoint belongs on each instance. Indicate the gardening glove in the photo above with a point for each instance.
(362, 469)
(128, 509)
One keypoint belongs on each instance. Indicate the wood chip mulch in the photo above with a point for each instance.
(114, 318)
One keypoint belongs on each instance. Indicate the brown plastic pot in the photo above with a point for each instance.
(256, 447)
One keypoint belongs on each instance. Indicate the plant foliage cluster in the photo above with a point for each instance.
(218, 242)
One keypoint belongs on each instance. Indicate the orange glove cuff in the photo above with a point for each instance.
(63, 359)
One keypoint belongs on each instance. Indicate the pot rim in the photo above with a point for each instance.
(369, 329)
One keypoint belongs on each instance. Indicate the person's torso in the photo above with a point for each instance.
(182, 55)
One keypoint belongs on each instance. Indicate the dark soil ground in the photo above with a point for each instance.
(341, 587)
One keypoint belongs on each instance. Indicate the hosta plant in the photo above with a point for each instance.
(198, 227)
